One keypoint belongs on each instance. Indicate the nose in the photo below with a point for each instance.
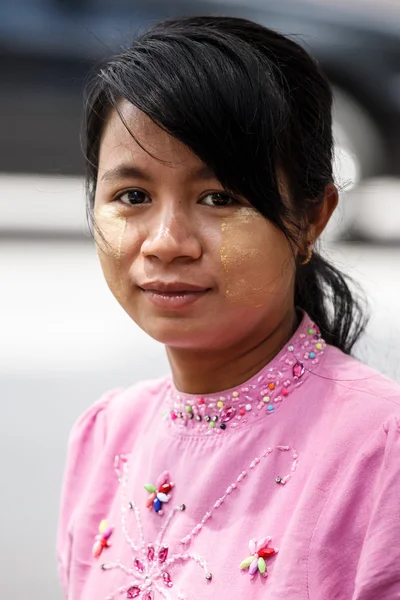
(171, 238)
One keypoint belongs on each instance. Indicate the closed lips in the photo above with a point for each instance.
(172, 288)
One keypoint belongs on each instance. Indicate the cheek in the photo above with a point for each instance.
(256, 258)
(110, 230)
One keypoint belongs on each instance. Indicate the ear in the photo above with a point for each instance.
(319, 215)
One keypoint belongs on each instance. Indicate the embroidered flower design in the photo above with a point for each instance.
(159, 493)
(147, 573)
(144, 567)
(259, 552)
(102, 539)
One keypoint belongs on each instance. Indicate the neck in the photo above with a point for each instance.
(206, 372)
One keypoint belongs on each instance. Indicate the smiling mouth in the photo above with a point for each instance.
(176, 287)
(174, 299)
(175, 293)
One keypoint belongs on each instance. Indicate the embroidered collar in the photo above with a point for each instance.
(260, 396)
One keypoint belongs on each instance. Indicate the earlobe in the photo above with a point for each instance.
(323, 212)
(306, 254)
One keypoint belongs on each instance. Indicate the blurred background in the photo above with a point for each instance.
(64, 339)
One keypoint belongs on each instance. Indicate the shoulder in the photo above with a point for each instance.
(351, 378)
(114, 408)
(116, 416)
(357, 402)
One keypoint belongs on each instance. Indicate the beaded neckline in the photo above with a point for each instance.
(260, 396)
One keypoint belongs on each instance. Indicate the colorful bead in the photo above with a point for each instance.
(150, 500)
(157, 504)
(228, 414)
(220, 404)
(298, 370)
(235, 394)
(242, 412)
(188, 409)
(222, 426)
(138, 564)
(271, 386)
(165, 488)
(270, 408)
(162, 555)
(266, 552)
(245, 564)
(261, 565)
(162, 497)
(311, 355)
(150, 488)
(311, 332)
(167, 579)
(266, 399)
(150, 553)
(318, 346)
(212, 424)
(248, 407)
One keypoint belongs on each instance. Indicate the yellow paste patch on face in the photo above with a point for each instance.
(255, 256)
(109, 235)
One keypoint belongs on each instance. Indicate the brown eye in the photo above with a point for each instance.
(218, 200)
(133, 197)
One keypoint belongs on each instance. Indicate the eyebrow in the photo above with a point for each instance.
(133, 172)
(125, 172)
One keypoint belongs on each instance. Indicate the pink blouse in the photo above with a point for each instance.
(286, 487)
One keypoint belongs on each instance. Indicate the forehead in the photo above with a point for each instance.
(131, 136)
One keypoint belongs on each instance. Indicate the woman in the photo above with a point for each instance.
(266, 464)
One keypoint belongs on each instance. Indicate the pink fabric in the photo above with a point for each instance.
(336, 522)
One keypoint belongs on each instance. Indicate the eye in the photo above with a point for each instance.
(218, 200)
(133, 197)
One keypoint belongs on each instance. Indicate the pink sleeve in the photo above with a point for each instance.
(378, 573)
(86, 439)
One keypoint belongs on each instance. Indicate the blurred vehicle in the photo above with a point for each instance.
(48, 47)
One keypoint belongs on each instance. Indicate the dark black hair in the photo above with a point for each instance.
(251, 104)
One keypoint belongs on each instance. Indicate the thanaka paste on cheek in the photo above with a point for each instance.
(255, 258)
(109, 240)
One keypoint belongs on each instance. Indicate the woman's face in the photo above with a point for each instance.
(192, 266)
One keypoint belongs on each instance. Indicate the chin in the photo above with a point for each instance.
(175, 334)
